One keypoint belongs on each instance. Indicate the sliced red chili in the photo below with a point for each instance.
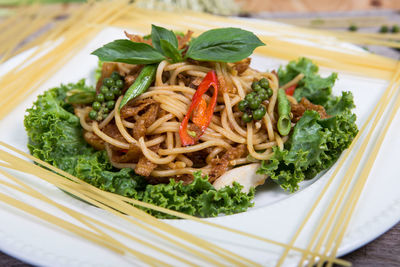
(202, 113)
(290, 90)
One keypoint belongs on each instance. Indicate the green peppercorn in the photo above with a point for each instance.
(257, 88)
(263, 94)
(110, 104)
(108, 82)
(93, 114)
(255, 102)
(264, 83)
(115, 76)
(254, 84)
(259, 113)
(104, 89)
(270, 92)
(119, 83)
(250, 96)
(246, 117)
(109, 95)
(395, 28)
(104, 116)
(384, 29)
(243, 105)
(96, 106)
(353, 28)
(105, 110)
(100, 97)
(114, 90)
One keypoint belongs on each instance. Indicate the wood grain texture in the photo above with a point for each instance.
(302, 6)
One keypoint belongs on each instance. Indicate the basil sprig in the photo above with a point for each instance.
(222, 45)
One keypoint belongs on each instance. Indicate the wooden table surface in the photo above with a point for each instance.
(385, 250)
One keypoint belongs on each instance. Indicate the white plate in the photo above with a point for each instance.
(276, 214)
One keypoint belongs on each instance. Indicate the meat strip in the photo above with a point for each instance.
(183, 40)
(137, 38)
(242, 66)
(299, 109)
(220, 165)
(93, 140)
(144, 166)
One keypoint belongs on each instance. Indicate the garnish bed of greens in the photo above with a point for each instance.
(315, 143)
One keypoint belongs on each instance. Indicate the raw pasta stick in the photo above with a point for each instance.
(151, 206)
(84, 218)
(355, 192)
(378, 106)
(97, 198)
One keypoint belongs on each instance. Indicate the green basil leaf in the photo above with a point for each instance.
(160, 33)
(129, 52)
(223, 45)
(171, 51)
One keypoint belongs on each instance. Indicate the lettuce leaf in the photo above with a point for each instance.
(315, 144)
(55, 136)
(313, 87)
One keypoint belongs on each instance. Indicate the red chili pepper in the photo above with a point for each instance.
(202, 113)
(290, 90)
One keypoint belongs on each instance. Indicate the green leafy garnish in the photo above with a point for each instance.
(315, 143)
(159, 34)
(126, 51)
(170, 51)
(223, 45)
(316, 89)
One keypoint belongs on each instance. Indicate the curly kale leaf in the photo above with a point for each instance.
(313, 87)
(315, 144)
(55, 136)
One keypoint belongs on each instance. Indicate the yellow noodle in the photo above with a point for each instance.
(159, 72)
(213, 154)
(295, 81)
(185, 159)
(119, 124)
(158, 122)
(193, 148)
(107, 138)
(153, 157)
(261, 156)
(279, 141)
(186, 68)
(170, 173)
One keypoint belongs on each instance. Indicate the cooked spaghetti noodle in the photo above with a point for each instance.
(157, 151)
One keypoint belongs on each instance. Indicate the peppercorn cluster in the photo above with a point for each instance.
(251, 105)
(104, 102)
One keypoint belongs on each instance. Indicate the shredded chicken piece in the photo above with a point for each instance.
(144, 112)
(137, 38)
(299, 109)
(144, 166)
(220, 165)
(133, 108)
(183, 40)
(242, 66)
(93, 140)
(194, 83)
